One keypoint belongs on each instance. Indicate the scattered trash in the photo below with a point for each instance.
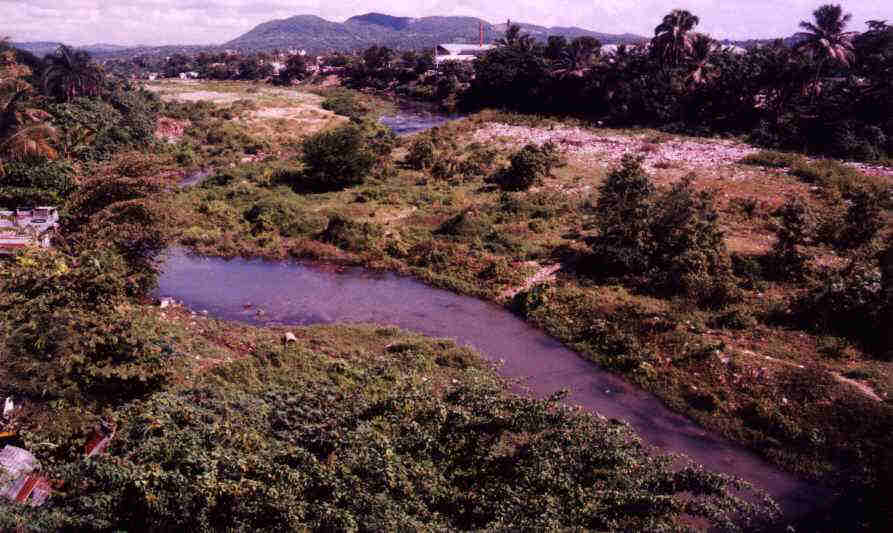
(8, 407)
(100, 438)
(18, 482)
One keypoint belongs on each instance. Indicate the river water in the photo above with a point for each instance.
(289, 293)
(413, 118)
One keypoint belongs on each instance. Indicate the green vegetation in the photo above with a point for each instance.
(372, 428)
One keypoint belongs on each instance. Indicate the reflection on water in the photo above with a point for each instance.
(270, 293)
(412, 119)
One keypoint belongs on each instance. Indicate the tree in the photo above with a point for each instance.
(70, 73)
(671, 39)
(555, 47)
(702, 48)
(295, 69)
(514, 39)
(578, 55)
(336, 159)
(826, 40)
(23, 134)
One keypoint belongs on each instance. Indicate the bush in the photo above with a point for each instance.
(351, 235)
(672, 240)
(863, 220)
(336, 159)
(771, 159)
(283, 216)
(344, 103)
(421, 154)
(796, 226)
(623, 215)
(837, 178)
(529, 166)
(469, 223)
(849, 303)
(689, 255)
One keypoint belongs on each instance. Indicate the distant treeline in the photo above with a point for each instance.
(831, 93)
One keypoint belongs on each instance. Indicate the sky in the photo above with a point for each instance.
(156, 22)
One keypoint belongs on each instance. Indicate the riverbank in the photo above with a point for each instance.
(734, 371)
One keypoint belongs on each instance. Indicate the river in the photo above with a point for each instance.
(291, 293)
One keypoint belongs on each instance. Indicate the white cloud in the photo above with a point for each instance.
(216, 21)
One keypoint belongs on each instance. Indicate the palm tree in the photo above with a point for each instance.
(578, 55)
(514, 39)
(671, 37)
(70, 74)
(699, 55)
(23, 135)
(826, 40)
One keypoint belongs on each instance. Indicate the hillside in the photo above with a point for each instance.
(317, 34)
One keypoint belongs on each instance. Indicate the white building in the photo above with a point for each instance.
(460, 52)
(22, 228)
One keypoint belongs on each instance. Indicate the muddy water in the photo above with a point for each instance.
(271, 293)
(196, 178)
(413, 118)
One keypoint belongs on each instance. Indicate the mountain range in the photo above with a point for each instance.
(316, 34)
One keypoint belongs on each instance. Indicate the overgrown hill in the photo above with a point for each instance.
(317, 34)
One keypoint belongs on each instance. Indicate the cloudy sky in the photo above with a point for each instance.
(215, 21)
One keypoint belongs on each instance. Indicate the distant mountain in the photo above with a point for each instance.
(42, 48)
(379, 19)
(316, 34)
(38, 48)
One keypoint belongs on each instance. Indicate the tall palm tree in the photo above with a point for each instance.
(671, 37)
(70, 74)
(826, 40)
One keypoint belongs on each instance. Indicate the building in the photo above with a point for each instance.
(460, 52)
(27, 227)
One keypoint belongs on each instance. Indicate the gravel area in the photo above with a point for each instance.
(597, 148)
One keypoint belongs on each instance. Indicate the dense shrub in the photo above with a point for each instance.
(623, 216)
(689, 255)
(72, 331)
(34, 183)
(850, 303)
(93, 128)
(352, 235)
(421, 154)
(796, 227)
(336, 159)
(458, 457)
(672, 239)
(529, 166)
(344, 103)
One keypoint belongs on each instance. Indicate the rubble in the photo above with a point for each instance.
(18, 480)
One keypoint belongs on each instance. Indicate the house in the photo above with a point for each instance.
(460, 52)
(27, 227)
